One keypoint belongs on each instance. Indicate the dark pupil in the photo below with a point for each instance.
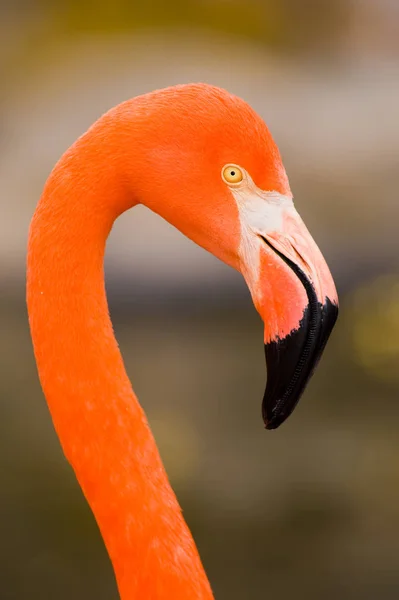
(232, 173)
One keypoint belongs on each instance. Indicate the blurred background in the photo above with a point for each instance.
(311, 510)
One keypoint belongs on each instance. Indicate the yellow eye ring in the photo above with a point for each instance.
(232, 174)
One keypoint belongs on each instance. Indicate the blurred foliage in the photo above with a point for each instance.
(283, 24)
(375, 308)
(124, 15)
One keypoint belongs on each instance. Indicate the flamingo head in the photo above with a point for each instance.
(212, 169)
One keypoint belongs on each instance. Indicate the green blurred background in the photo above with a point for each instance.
(310, 511)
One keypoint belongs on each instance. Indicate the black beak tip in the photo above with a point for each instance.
(291, 361)
(272, 417)
(274, 422)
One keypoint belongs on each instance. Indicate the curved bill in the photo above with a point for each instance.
(296, 297)
(292, 359)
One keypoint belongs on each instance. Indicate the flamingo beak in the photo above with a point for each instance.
(302, 329)
(295, 295)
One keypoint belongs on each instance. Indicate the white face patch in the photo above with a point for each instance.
(260, 212)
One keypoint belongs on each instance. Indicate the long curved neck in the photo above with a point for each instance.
(101, 426)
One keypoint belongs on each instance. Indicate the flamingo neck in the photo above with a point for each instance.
(101, 426)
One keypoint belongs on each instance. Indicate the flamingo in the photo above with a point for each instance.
(202, 159)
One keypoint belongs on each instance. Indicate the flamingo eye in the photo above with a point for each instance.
(232, 174)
